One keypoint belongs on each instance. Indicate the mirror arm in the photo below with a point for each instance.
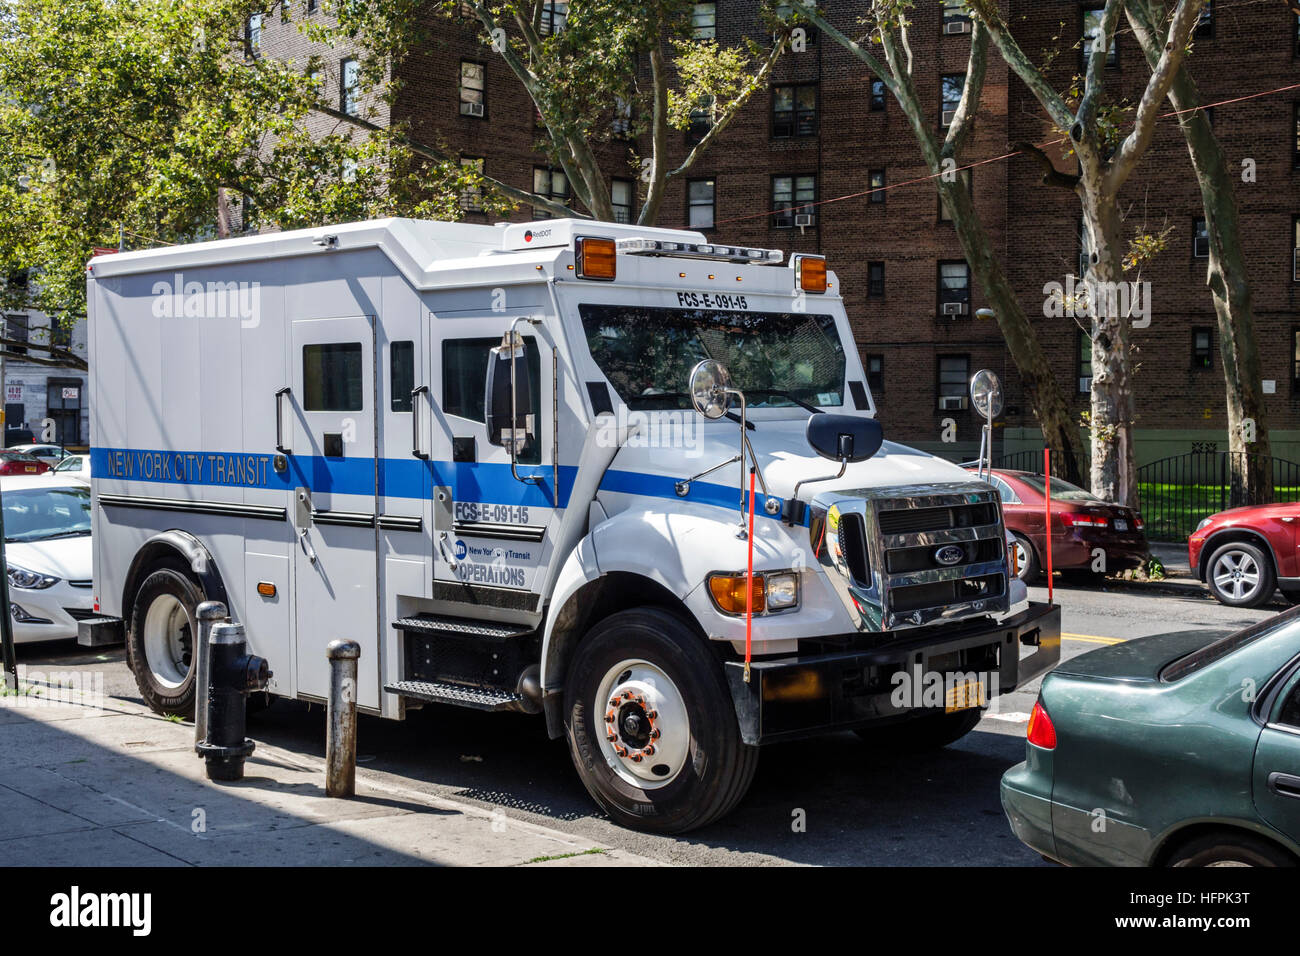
(514, 403)
(794, 498)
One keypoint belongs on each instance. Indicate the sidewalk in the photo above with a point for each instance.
(104, 782)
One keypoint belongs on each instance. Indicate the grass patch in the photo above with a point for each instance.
(565, 856)
(1172, 511)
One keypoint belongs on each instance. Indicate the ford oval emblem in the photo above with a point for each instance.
(949, 555)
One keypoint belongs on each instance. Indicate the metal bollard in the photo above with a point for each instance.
(341, 737)
(208, 614)
(234, 673)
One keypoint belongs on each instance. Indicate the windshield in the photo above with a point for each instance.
(1061, 490)
(37, 514)
(648, 353)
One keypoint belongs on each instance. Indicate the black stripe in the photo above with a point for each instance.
(231, 509)
(401, 522)
(351, 519)
(509, 532)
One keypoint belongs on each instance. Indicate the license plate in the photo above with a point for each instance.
(964, 695)
(30, 469)
(1121, 524)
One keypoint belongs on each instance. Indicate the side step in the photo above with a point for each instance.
(440, 692)
(459, 627)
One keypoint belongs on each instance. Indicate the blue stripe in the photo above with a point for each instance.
(663, 486)
(398, 477)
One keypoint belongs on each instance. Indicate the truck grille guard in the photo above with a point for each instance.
(905, 557)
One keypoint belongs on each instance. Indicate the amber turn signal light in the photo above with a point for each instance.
(266, 589)
(596, 258)
(810, 273)
(729, 593)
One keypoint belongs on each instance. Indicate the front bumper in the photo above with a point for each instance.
(804, 695)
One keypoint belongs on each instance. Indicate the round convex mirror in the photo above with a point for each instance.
(986, 393)
(708, 388)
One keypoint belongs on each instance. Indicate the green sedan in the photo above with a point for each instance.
(1173, 750)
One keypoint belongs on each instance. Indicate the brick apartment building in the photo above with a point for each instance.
(824, 131)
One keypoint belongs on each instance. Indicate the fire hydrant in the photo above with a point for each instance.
(233, 674)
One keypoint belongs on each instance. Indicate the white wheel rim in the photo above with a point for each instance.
(639, 706)
(1236, 574)
(1022, 559)
(168, 634)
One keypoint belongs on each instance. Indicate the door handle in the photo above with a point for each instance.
(1285, 784)
(415, 421)
(445, 549)
(279, 421)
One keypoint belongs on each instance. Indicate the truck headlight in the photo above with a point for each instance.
(782, 591)
(29, 580)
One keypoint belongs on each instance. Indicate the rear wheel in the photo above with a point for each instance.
(1240, 575)
(651, 727)
(160, 644)
(1230, 849)
(922, 733)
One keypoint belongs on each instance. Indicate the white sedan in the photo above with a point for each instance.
(48, 554)
(74, 466)
(50, 454)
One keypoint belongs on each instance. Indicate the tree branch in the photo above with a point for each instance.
(1051, 101)
(1051, 175)
(972, 91)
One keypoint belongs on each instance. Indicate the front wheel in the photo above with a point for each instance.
(160, 644)
(1240, 575)
(651, 727)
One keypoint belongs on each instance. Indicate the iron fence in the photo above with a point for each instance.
(1178, 492)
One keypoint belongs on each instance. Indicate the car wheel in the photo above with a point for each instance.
(161, 640)
(651, 726)
(922, 733)
(1026, 559)
(1230, 849)
(1240, 575)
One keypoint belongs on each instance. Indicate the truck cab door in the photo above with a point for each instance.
(492, 517)
(334, 500)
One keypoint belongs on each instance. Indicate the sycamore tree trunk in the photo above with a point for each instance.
(1227, 276)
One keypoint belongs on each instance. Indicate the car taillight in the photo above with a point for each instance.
(1072, 519)
(1041, 733)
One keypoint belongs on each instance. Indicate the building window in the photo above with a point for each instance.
(876, 280)
(701, 195)
(553, 185)
(794, 110)
(312, 6)
(1295, 251)
(950, 89)
(1085, 363)
(350, 82)
(1092, 20)
(16, 329)
(953, 375)
(554, 16)
(876, 183)
(1295, 155)
(964, 176)
(704, 21)
(253, 34)
(878, 95)
(955, 17)
(792, 197)
(954, 289)
(875, 366)
(471, 197)
(622, 197)
(1202, 345)
(701, 120)
(785, 13)
(622, 123)
(1205, 21)
(1295, 360)
(473, 89)
(1200, 239)
(1295, 35)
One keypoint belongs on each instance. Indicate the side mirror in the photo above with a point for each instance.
(509, 395)
(710, 389)
(844, 437)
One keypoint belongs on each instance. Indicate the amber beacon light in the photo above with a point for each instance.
(596, 258)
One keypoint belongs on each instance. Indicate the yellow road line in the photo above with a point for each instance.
(1093, 638)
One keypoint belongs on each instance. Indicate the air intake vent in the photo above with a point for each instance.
(853, 545)
(910, 520)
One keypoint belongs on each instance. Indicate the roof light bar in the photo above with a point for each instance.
(699, 250)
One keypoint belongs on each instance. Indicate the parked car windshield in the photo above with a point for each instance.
(1061, 490)
(71, 463)
(648, 353)
(38, 514)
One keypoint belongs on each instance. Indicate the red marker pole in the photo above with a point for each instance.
(1047, 497)
(749, 582)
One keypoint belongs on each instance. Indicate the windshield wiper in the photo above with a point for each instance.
(63, 534)
(781, 393)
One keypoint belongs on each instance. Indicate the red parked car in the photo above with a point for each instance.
(1081, 523)
(1244, 554)
(16, 463)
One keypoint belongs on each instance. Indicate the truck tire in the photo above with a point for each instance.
(922, 733)
(1240, 575)
(160, 641)
(668, 758)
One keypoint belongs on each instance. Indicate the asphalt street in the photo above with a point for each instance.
(828, 801)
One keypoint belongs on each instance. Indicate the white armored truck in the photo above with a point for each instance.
(514, 463)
